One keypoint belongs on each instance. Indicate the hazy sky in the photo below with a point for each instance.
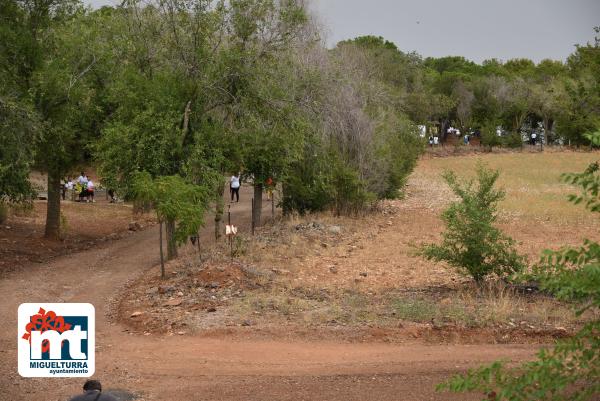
(476, 29)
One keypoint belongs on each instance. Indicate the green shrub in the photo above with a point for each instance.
(306, 189)
(471, 243)
(489, 137)
(513, 140)
(348, 191)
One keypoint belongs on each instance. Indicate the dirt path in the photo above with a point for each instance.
(198, 368)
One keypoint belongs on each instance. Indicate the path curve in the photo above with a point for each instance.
(196, 368)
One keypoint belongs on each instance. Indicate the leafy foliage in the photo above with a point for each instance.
(589, 181)
(489, 137)
(17, 133)
(175, 200)
(471, 243)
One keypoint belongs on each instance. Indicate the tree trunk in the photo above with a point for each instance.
(162, 257)
(548, 122)
(273, 204)
(256, 212)
(219, 208)
(171, 244)
(285, 210)
(53, 206)
(186, 121)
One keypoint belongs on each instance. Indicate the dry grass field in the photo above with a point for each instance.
(531, 180)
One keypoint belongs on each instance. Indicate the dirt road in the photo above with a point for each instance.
(199, 368)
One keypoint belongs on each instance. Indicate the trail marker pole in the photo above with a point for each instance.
(273, 205)
(228, 231)
(252, 216)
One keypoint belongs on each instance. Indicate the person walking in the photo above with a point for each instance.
(92, 391)
(234, 187)
(90, 191)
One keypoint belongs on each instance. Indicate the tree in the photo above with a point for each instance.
(465, 98)
(518, 103)
(583, 89)
(471, 243)
(18, 121)
(267, 124)
(161, 98)
(550, 100)
(17, 132)
(49, 54)
(174, 200)
(570, 370)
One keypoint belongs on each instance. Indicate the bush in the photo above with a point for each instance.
(471, 243)
(348, 191)
(325, 183)
(489, 138)
(513, 140)
(307, 187)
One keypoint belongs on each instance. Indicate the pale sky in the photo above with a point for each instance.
(475, 29)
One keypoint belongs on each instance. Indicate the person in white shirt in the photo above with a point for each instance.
(234, 187)
(90, 191)
(82, 179)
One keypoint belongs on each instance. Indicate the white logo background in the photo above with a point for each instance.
(74, 336)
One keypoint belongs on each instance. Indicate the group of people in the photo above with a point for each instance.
(434, 139)
(455, 131)
(83, 187)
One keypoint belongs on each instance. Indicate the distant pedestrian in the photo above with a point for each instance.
(533, 138)
(234, 187)
(430, 141)
(82, 179)
(92, 391)
(435, 140)
(90, 191)
(63, 188)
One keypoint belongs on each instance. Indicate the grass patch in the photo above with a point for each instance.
(531, 180)
(496, 306)
(416, 310)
